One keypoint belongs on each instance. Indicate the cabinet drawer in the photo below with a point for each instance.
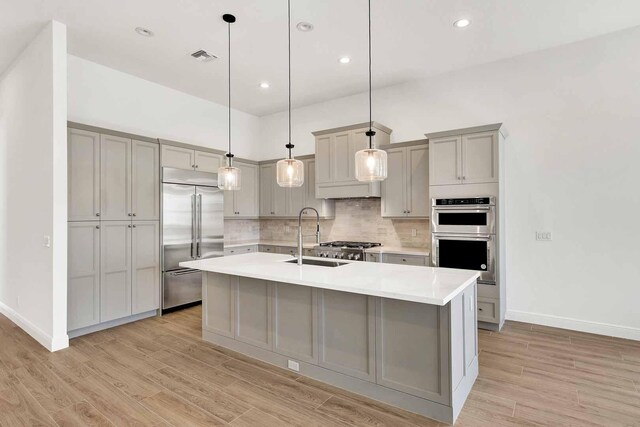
(236, 250)
(372, 257)
(404, 259)
(287, 250)
(268, 248)
(487, 310)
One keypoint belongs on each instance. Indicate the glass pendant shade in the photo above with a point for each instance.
(371, 165)
(290, 173)
(229, 178)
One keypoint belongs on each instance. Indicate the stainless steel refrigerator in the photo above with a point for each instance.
(192, 228)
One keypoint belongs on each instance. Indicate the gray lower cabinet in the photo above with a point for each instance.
(237, 250)
(412, 348)
(268, 248)
(295, 320)
(115, 270)
(405, 259)
(219, 314)
(253, 312)
(346, 333)
(83, 295)
(145, 266)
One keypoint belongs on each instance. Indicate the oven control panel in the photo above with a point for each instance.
(464, 201)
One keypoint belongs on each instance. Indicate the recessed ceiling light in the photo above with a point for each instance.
(264, 85)
(304, 27)
(344, 60)
(203, 56)
(461, 23)
(144, 32)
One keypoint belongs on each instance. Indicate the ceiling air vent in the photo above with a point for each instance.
(203, 56)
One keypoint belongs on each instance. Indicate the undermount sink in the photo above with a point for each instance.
(318, 262)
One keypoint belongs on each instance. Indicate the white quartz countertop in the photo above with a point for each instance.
(426, 285)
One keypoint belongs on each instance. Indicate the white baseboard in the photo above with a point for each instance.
(46, 340)
(575, 324)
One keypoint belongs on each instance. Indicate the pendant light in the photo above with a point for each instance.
(290, 172)
(371, 163)
(229, 176)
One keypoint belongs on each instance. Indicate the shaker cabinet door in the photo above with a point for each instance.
(480, 158)
(83, 301)
(83, 158)
(267, 178)
(115, 178)
(394, 188)
(208, 162)
(145, 181)
(253, 312)
(417, 185)
(115, 270)
(145, 266)
(445, 161)
(246, 203)
(295, 321)
(178, 157)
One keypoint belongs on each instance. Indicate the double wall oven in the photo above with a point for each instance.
(463, 234)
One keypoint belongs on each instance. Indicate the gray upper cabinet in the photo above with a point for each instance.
(405, 192)
(145, 180)
(295, 321)
(115, 178)
(464, 159)
(244, 203)
(325, 207)
(190, 159)
(115, 270)
(335, 161)
(145, 266)
(83, 303)
(83, 175)
(347, 333)
(273, 198)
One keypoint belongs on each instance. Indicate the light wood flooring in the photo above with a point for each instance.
(159, 372)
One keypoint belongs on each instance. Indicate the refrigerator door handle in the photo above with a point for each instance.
(193, 226)
(199, 237)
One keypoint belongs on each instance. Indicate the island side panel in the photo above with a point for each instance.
(295, 321)
(219, 303)
(412, 348)
(347, 327)
(253, 312)
(464, 346)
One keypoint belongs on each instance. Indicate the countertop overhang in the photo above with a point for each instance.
(427, 285)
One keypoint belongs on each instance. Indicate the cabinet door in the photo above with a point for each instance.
(480, 158)
(279, 196)
(343, 164)
(418, 203)
(208, 162)
(295, 201)
(83, 293)
(394, 188)
(178, 157)
(246, 203)
(219, 308)
(230, 203)
(145, 180)
(323, 158)
(145, 266)
(445, 161)
(295, 321)
(115, 270)
(325, 207)
(405, 259)
(115, 178)
(253, 312)
(267, 177)
(83, 157)
(412, 348)
(347, 333)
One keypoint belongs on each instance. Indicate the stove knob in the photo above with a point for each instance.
(356, 257)
(340, 256)
(350, 256)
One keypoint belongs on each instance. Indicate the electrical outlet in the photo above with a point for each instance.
(543, 235)
(287, 229)
(414, 232)
(46, 241)
(293, 365)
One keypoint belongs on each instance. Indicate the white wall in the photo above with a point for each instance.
(33, 188)
(573, 114)
(108, 98)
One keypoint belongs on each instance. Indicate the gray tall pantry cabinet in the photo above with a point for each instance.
(114, 228)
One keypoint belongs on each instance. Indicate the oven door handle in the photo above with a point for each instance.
(467, 209)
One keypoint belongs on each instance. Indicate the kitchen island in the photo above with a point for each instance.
(403, 335)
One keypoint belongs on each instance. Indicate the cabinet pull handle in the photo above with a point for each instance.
(479, 309)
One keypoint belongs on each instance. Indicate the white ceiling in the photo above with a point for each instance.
(412, 39)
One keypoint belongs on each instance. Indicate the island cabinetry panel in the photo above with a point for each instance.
(219, 313)
(295, 320)
(84, 274)
(412, 348)
(83, 158)
(346, 333)
(464, 337)
(253, 312)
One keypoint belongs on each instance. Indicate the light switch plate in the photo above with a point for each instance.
(543, 235)
(414, 232)
(46, 241)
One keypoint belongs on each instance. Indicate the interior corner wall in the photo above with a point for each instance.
(573, 116)
(33, 189)
(104, 97)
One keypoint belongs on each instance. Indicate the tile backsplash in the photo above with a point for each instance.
(241, 229)
(356, 219)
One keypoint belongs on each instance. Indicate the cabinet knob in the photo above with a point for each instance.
(129, 226)
(196, 166)
(97, 213)
(464, 177)
(403, 259)
(129, 214)
(134, 214)
(98, 227)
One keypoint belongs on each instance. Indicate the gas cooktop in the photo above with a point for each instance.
(350, 245)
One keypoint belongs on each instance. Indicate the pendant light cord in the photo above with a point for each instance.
(289, 145)
(229, 63)
(370, 133)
